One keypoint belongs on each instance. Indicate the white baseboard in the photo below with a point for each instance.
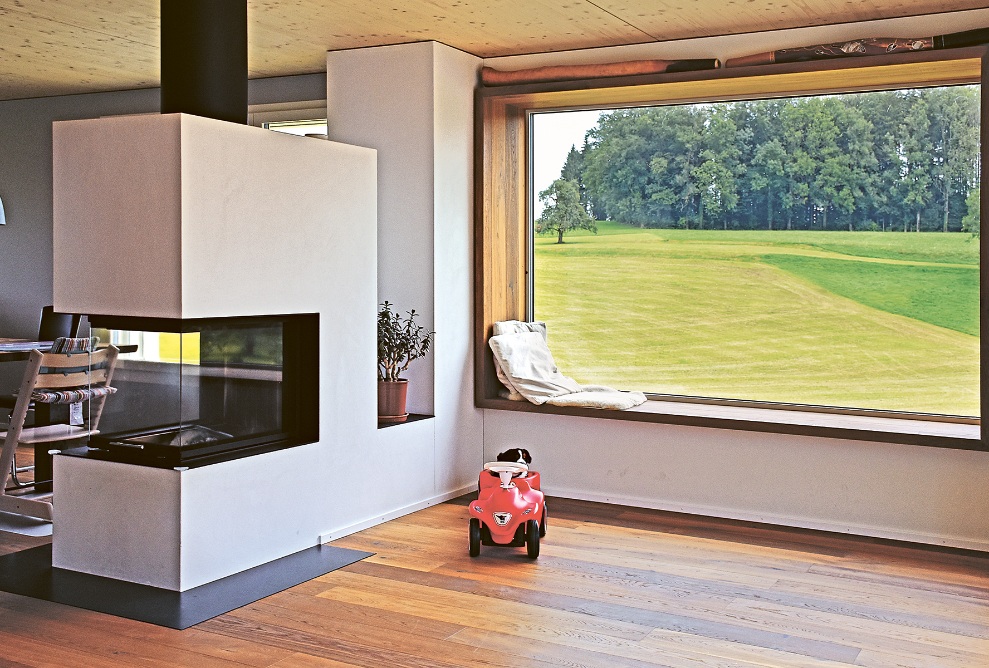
(393, 514)
(770, 518)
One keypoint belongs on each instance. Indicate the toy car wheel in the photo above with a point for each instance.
(532, 539)
(542, 524)
(474, 534)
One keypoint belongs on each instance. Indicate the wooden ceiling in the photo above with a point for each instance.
(56, 47)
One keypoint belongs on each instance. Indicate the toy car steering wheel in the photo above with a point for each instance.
(506, 471)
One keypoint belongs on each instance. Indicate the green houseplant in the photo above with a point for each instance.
(400, 340)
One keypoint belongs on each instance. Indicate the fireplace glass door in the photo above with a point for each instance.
(207, 390)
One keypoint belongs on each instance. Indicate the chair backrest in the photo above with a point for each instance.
(54, 325)
(63, 378)
(59, 378)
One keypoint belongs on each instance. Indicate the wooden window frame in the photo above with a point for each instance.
(502, 259)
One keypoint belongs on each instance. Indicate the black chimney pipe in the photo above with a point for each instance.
(204, 58)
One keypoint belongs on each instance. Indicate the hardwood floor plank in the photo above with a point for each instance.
(363, 646)
(7, 663)
(677, 643)
(345, 615)
(549, 652)
(876, 659)
(309, 661)
(619, 613)
(861, 632)
(639, 544)
(474, 610)
(193, 640)
(39, 654)
(974, 589)
(316, 643)
(56, 625)
(893, 599)
(613, 590)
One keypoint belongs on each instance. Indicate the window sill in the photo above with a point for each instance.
(803, 423)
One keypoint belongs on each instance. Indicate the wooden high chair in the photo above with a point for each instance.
(54, 378)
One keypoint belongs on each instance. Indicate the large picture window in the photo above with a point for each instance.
(817, 250)
(788, 248)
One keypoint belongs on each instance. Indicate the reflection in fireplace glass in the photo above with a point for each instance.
(206, 390)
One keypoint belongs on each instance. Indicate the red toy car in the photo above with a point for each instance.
(510, 510)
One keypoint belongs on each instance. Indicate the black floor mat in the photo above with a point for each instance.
(30, 573)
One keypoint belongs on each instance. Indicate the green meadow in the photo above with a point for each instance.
(858, 319)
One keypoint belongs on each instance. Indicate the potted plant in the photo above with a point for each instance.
(400, 340)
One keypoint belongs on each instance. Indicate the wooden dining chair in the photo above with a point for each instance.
(77, 376)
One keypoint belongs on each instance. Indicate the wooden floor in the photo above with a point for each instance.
(614, 587)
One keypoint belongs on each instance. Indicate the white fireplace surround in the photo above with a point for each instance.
(177, 216)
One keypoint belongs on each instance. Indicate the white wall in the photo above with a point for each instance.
(928, 495)
(458, 423)
(414, 104)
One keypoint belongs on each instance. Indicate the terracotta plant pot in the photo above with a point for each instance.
(391, 400)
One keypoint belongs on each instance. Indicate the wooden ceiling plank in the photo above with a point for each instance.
(682, 19)
(130, 20)
(494, 27)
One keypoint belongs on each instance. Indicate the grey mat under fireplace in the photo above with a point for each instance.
(30, 573)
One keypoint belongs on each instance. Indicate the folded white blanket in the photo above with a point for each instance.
(515, 327)
(528, 371)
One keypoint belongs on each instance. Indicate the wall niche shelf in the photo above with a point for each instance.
(413, 417)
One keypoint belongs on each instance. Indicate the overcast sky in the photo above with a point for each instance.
(553, 135)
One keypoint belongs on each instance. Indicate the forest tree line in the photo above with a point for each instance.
(892, 160)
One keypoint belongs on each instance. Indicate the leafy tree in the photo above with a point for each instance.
(573, 170)
(970, 223)
(917, 157)
(954, 143)
(845, 175)
(715, 178)
(639, 161)
(562, 210)
(884, 112)
(617, 165)
(768, 174)
(799, 167)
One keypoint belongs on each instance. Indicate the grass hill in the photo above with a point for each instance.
(871, 320)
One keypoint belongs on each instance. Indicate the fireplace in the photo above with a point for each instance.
(207, 390)
(180, 222)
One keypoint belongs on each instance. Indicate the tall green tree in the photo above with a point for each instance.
(573, 170)
(845, 175)
(716, 177)
(970, 223)
(799, 166)
(768, 174)
(954, 144)
(917, 158)
(562, 210)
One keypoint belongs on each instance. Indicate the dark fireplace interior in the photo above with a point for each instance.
(201, 391)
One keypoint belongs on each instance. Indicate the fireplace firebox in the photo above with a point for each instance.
(202, 391)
